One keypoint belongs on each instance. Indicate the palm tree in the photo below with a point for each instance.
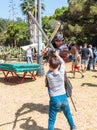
(30, 5)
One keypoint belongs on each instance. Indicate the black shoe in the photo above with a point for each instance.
(82, 76)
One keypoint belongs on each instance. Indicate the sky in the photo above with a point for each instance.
(6, 8)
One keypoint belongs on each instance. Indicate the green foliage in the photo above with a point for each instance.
(81, 19)
(14, 32)
(79, 22)
(28, 5)
(58, 12)
(3, 24)
(11, 52)
(18, 32)
(49, 23)
(93, 10)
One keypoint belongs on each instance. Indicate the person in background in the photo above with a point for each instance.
(57, 41)
(80, 47)
(84, 57)
(57, 93)
(29, 55)
(90, 62)
(73, 52)
(77, 66)
(94, 58)
(60, 46)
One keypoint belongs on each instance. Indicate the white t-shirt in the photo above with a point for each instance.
(91, 52)
(29, 53)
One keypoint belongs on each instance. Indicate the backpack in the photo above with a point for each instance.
(68, 86)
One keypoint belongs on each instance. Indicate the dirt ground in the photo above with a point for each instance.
(25, 106)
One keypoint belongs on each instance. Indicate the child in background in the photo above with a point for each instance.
(78, 65)
(57, 93)
(73, 52)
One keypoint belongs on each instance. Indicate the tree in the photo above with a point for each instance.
(49, 25)
(18, 32)
(80, 21)
(49, 22)
(29, 5)
(58, 12)
(3, 25)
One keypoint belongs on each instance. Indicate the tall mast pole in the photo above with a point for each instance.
(40, 57)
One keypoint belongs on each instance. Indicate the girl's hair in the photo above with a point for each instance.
(54, 62)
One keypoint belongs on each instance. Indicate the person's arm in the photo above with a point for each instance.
(56, 53)
(62, 64)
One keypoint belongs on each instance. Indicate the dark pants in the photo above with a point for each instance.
(90, 62)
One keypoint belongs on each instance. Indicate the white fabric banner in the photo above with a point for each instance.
(34, 45)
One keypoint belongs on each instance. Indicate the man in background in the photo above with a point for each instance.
(29, 55)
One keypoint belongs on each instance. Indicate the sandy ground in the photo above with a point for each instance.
(25, 106)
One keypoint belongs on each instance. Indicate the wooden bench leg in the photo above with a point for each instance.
(24, 75)
(32, 76)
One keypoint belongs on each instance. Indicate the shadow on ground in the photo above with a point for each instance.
(29, 107)
(89, 85)
(30, 124)
(94, 76)
(12, 83)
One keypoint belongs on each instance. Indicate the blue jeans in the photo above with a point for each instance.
(94, 63)
(56, 104)
(29, 59)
